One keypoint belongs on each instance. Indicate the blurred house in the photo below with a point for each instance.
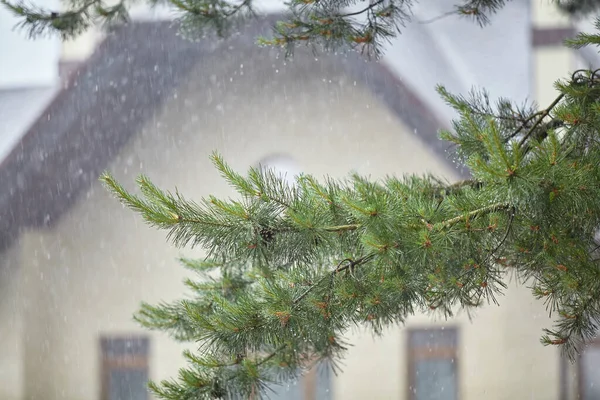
(75, 265)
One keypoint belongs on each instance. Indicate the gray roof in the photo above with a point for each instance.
(119, 88)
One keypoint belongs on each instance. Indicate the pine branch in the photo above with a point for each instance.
(314, 23)
(543, 114)
(68, 24)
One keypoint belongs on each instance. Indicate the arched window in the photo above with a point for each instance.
(283, 165)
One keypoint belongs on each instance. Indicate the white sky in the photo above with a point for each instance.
(25, 62)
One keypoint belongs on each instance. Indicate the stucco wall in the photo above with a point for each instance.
(11, 328)
(499, 355)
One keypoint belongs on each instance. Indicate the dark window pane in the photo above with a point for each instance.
(299, 390)
(112, 347)
(433, 338)
(285, 392)
(590, 367)
(435, 379)
(128, 384)
(323, 389)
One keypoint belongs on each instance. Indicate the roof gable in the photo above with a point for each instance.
(123, 84)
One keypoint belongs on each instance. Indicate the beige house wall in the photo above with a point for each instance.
(11, 328)
(545, 14)
(499, 355)
(552, 63)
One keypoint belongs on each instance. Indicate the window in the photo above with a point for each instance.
(281, 165)
(124, 368)
(314, 385)
(589, 372)
(432, 364)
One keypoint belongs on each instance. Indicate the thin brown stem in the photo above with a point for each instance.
(492, 115)
(543, 114)
(343, 265)
(461, 184)
(508, 228)
(342, 228)
(179, 219)
(502, 241)
(273, 354)
(524, 124)
(442, 16)
(371, 6)
(484, 210)
(281, 202)
(237, 8)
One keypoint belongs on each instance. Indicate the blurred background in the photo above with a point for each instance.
(75, 265)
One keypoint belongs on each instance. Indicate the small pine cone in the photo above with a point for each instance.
(267, 235)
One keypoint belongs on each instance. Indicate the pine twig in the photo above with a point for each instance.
(523, 125)
(444, 224)
(461, 184)
(273, 354)
(491, 254)
(369, 7)
(439, 17)
(339, 268)
(342, 228)
(508, 228)
(484, 210)
(543, 114)
(237, 8)
(179, 219)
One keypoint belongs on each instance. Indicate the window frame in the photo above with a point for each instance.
(140, 358)
(283, 165)
(581, 371)
(413, 354)
(309, 383)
